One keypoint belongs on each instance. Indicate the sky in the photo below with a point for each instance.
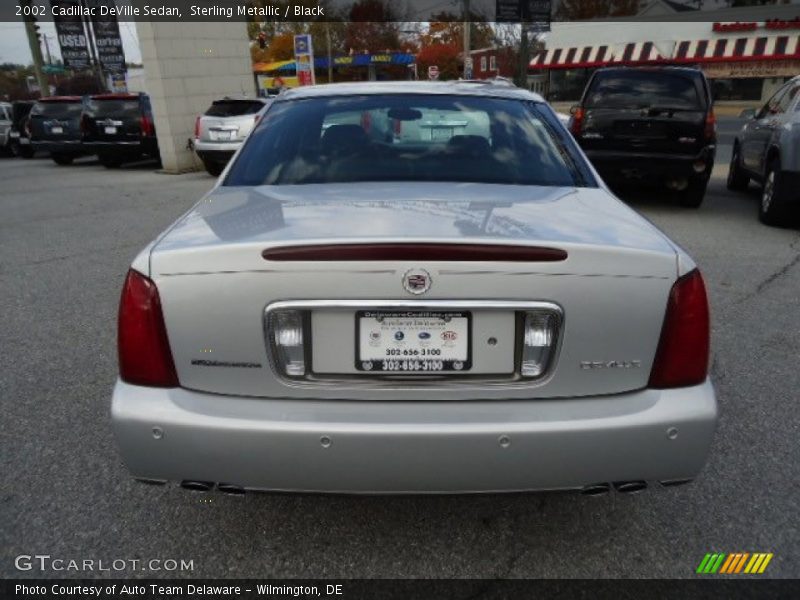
(14, 43)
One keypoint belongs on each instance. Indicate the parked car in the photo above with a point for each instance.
(221, 130)
(649, 124)
(119, 128)
(458, 312)
(5, 127)
(55, 127)
(767, 150)
(20, 139)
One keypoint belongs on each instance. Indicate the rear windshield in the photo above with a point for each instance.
(234, 108)
(57, 109)
(642, 90)
(405, 138)
(114, 106)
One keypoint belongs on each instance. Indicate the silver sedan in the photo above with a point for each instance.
(413, 288)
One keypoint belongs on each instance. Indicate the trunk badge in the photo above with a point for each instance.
(417, 281)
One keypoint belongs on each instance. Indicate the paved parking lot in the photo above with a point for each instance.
(67, 235)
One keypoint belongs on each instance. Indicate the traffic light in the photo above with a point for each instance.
(262, 40)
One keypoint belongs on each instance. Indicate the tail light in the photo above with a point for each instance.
(538, 342)
(287, 340)
(682, 355)
(84, 124)
(710, 131)
(27, 127)
(197, 128)
(145, 357)
(147, 126)
(576, 125)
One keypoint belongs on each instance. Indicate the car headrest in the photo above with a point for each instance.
(344, 139)
(471, 145)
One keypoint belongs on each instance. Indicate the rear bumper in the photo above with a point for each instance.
(613, 165)
(123, 148)
(413, 447)
(63, 147)
(219, 153)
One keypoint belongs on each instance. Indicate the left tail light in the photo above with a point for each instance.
(197, 128)
(145, 357)
(682, 355)
(576, 125)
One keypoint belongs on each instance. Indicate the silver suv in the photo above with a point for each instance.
(767, 150)
(222, 129)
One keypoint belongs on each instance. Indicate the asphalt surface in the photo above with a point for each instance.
(67, 235)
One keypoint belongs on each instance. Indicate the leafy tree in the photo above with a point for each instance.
(372, 27)
(448, 28)
(445, 56)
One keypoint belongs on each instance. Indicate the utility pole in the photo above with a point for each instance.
(524, 57)
(467, 44)
(47, 48)
(330, 53)
(97, 66)
(36, 51)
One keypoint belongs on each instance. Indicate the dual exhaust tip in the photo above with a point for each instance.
(207, 486)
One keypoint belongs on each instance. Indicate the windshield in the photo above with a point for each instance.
(234, 108)
(57, 109)
(403, 138)
(99, 107)
(642, 90)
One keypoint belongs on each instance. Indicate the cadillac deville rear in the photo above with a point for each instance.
(425, 289)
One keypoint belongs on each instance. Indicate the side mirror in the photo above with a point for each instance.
(748, 113)
(574, 109)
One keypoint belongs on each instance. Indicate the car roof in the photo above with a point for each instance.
(486, 88)
(653, 69)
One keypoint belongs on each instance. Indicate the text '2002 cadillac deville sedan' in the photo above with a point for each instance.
(413, 288)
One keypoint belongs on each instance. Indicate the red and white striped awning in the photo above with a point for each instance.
(595, 56)
(737, 49)
(564, 58)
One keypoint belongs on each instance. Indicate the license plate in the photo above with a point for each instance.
(110, 130)
(14, 134)
(56, 130)
(221, 136)
(413, 342)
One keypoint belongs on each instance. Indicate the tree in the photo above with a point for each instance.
(445, 56)
(372, 27)
(447, 28)
(578, 10)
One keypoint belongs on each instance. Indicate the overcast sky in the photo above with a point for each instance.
(14, 43)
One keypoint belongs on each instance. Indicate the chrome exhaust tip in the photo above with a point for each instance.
(229, 488)
(197, 486)
(596, 489)
(630, 487)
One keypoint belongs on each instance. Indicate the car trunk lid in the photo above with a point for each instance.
(215, 283)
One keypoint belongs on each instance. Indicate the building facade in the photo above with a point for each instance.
(744, 60)
(494, 61)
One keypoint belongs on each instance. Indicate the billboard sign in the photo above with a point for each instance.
(71, 35)
(108, 41)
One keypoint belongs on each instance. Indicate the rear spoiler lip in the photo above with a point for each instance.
(433, 251)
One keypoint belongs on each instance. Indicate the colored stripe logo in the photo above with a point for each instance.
(735, 563)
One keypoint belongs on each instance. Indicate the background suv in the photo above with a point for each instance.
(767, 149)
(649, 124)
(119, 128)
(222, 129)
(55, 127)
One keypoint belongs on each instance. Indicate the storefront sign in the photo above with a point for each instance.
(758, 69)
(773, 24)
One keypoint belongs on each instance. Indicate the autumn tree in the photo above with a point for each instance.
(448, 28)
(372, 27)
(445, 56)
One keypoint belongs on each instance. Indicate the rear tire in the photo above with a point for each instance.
(62, 159)
(110, 162)
(774, 207)
(214, 169)
(693, 196)
(738, 180)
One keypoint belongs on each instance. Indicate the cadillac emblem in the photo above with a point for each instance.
(417, 281)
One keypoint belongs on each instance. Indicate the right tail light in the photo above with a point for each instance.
(576, 125)
(682, 355)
